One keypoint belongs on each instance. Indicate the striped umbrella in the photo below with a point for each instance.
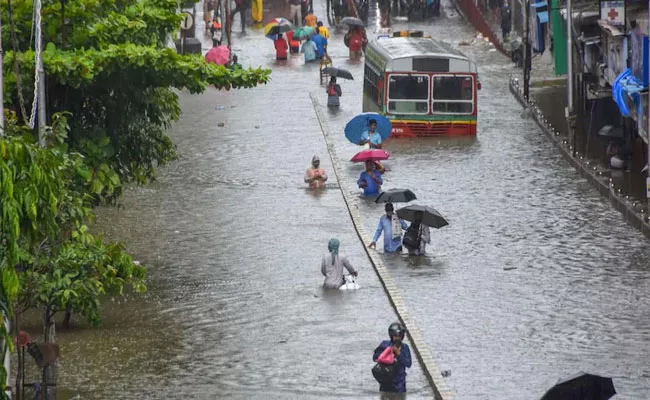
(277, 26)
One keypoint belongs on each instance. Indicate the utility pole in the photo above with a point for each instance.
(568, 113)
(40, 71)
(528, 51)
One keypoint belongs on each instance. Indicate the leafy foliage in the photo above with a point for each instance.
(115, 74)
(44, 229)
(47, 256)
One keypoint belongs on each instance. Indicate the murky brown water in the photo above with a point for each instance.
(233, 241)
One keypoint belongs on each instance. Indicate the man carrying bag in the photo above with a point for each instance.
(392, 376)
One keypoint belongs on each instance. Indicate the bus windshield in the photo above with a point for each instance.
(453, 94)
(408, 94)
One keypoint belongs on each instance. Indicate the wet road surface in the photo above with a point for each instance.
(536, 277)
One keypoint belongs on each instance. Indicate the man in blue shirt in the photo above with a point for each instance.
(321, 45)
(392, 235)
(371, 136)
(370, 180)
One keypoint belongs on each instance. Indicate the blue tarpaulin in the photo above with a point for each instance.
(626, 84)
(543, 17)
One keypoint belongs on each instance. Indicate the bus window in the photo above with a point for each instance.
(453, 94)
(408, 94)
(371, 85)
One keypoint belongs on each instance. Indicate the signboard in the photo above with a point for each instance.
(187, 24)
(613, 12)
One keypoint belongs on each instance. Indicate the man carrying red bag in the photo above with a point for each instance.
(401, 359)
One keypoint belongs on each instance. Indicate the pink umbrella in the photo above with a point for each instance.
(371, 155)
(219, 55)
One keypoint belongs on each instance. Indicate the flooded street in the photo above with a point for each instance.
(536, 277)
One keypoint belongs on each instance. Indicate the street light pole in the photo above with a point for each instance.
(528, 52)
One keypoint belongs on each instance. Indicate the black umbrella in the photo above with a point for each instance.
(430, 217)
(582, 386)
(611, 131)
(338, 73)
(352, 21)
(395, 196)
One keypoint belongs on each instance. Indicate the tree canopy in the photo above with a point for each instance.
(109, 64)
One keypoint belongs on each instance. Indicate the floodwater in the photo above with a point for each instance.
(536, 277)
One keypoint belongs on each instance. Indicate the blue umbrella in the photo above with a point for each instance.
(359, 124)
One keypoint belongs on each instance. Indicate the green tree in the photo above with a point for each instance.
(47, 258)
(108, 64)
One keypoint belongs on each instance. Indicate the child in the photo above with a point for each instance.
(280, 48)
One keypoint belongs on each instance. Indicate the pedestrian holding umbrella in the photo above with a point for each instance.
(358, 126)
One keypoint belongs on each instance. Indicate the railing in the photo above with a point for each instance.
(475, 16)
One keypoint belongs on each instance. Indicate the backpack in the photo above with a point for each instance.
(331, 90)
(412, 238)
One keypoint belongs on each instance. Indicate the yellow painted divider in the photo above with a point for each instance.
(422, 352)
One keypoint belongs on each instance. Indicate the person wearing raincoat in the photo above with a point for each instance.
(315, 176)
(332, 266)
(333, 93)
(392, 227)
(402, 354)
(310, 50)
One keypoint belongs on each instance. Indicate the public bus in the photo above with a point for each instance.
(422, 85)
